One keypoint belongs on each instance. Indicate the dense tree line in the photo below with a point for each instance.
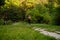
(13, 11)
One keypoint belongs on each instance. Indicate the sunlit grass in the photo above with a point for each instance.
(21, 31)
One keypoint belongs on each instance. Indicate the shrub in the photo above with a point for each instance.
(33, 12)
(39, 14)
(47, 18)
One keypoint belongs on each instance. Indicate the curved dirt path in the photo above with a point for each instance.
(52, 34)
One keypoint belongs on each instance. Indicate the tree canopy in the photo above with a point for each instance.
(41, 11)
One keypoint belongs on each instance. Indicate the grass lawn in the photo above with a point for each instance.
(21, 31)
(52, 28)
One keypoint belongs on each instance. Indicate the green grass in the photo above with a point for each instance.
(52, 28)
(21, 31)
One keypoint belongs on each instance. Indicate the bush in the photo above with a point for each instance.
(33, 12)
(13, 12)
(46, 18)
(39, 14)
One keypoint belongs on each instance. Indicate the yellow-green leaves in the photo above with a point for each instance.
(13, 2)
(16, 2)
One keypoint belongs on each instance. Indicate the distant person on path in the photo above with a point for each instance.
(29, 19)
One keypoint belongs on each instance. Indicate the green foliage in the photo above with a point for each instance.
(11, 11)
(39, 14)
(16, 10)
(33, 12)
(44, 13)
(47, 18)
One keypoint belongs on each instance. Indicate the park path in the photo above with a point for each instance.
(43, 31)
